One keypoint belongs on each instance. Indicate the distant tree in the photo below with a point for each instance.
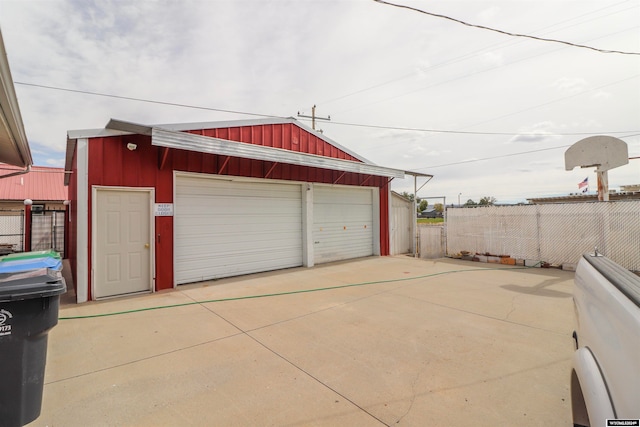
(407, 195)
(487, 201)
(470, 203)
(439, 207)
(422, 205)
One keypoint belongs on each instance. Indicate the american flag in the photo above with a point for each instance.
(584, 185)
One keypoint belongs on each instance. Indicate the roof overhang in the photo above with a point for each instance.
(14, 147)
(174, 136)
(223, 147)
(204, 144)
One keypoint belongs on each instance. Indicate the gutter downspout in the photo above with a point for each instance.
(27, 170)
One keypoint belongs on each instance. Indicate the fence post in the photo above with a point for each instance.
(67, 219)
(27, 225)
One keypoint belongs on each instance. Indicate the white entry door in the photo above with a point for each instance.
(122, 241)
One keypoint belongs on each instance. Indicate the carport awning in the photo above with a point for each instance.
(205, 144)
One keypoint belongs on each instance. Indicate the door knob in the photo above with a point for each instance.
(146, 245)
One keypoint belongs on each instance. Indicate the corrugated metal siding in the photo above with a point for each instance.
(221, 147)
(112, 164)
(285, 135)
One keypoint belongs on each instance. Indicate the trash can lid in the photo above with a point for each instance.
(21, 265)
(28, 255)
(38, 283)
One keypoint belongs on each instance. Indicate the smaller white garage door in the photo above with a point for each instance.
(227, 228)
(342, 223)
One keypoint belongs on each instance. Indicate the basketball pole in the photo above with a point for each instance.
(603, 185)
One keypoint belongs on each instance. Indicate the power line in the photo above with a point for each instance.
(173, 104)
(537, 106)
(128, 98)
(492, 46)
(492, 158)
(464, 76)
(482, 27)
(471, 132)
(505, 155)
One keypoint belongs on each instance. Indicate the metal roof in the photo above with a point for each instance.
(173, 136)
(118, 127)
(176, 138)
(205, 144)
(14, 147)
(256, 122)
(41, 184)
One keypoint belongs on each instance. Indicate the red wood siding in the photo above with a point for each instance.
(112, 164)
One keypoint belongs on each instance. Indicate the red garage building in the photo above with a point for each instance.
(156, 207)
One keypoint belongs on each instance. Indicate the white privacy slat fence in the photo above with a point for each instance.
(554, 233)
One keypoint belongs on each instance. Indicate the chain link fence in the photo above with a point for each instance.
(555, 233)
(47, 231)
(11, 231)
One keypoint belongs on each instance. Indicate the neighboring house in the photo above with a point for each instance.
(156, 207)
(44, 186)
(43, 227)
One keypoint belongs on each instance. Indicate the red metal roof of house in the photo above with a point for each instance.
(41, 184)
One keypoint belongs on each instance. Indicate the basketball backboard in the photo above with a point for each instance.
(603, 152)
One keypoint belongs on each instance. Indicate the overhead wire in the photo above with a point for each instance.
(482, 27)
(129, 98)
(509, 155)
(490, 47)
(464, 76)
(518, 112)
(470, 132)
(493, 157)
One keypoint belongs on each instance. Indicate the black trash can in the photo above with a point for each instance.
(29, 303)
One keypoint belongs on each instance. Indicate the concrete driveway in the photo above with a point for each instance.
(400, 341)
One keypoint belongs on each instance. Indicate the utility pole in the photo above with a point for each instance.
(314, 118)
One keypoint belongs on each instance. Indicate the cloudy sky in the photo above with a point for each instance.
(487, 114)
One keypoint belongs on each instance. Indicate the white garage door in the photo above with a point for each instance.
(226, 228)
(342, 223)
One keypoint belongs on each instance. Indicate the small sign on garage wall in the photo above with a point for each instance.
(163, 209)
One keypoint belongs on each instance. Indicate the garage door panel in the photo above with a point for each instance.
(343, 223)
(234, 189)
(231, 206)
(225, 228)
(227, 242)
(251, 225)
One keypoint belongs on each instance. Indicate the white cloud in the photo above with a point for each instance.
(492, 59)
(538, 132)
(487, 15)
(570, 86)
(602, 95)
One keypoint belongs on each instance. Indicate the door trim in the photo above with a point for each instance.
(94, 225)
